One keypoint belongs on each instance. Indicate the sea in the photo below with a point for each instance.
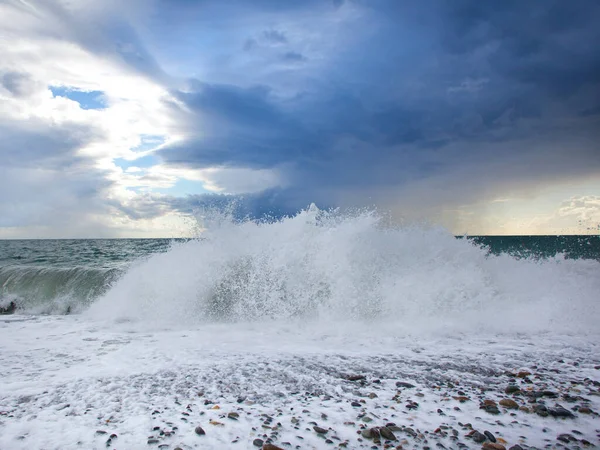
(106, 336)
(66, 276)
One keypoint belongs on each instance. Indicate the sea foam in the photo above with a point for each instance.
(352, 268)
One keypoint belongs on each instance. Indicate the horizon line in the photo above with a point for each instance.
(196, 237)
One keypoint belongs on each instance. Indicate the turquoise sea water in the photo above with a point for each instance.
(572, 247)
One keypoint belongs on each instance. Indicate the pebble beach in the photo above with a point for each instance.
(88, 387)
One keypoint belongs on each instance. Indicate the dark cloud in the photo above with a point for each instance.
(17, 83)
(240, 127)
(477, 81)
(591, 111)
(185, 6)
(270, 38)
(269, 204)
(547, 45)
(250, 44)
(293, 57)
(420, 104)
(275, 37)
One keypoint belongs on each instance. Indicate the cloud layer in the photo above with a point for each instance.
(433, 110)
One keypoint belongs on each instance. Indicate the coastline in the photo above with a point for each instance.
(72, 383)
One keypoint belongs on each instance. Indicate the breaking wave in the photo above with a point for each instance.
(332, 267)
(47, 290)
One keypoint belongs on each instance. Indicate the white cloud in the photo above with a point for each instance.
(241, 180)
(66, 44)
(584, 209)
(43, 45)
(229, 180)
(60, 162)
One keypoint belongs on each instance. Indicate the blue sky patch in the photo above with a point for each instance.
(143, 163)
(149, 142)
(184, 187)
(86, 99)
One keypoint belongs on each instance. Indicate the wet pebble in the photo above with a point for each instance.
(355, 377)
(565, 437)
(490, 436)
(491, 409)
(271, 447)
(386, 433)
(559, 411)
(512, 388)
(508, 403)
(493, 446)
(478, 437)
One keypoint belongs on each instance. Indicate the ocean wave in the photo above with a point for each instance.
(49, 290)
(333, 267)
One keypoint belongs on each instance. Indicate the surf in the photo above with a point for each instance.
(351, 267)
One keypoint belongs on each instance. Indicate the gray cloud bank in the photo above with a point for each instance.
(413, 106)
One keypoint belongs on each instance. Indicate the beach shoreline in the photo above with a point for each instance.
(70, 383)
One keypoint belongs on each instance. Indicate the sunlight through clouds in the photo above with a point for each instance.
(126, 113)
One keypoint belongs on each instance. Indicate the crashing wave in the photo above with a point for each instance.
(332, 267)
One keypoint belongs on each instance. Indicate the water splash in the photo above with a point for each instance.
(354, 267)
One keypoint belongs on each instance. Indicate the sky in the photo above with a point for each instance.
(129, 118)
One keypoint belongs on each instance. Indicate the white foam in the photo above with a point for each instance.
(334, 268)
(64, 377)
(269, 312)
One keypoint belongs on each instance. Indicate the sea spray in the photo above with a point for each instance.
(331, 267)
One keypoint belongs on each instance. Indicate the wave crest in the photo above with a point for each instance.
(333, 267)
(46, 290)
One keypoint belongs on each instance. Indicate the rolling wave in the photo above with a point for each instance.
(48, 290)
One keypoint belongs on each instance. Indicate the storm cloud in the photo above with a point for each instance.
(417, 107)
(486, 87)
